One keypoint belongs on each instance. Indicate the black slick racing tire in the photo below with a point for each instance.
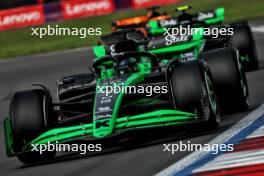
(229, 78)
(29, 118)
(192, 89)
(243, 40)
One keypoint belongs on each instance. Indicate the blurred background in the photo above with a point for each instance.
(4, 4)
(17, 16)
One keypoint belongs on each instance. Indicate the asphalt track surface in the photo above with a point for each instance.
(145, 158)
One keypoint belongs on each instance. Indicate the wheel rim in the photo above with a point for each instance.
(243, 82)
(211, 93)
(205, 102)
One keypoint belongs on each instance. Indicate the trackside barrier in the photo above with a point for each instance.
(21, 17)
(69, 9)
(81, 8)
(138, 4)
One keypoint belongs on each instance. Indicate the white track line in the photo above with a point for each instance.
(257, 133)
(255, 157)
(222, 138)
(259, 29)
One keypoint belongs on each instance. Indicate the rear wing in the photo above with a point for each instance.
(203, 18)
(211, 17)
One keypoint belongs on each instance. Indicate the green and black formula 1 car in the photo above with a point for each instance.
(242, 37)
(183, 93)
(224, 60)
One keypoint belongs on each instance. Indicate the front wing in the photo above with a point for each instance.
(158, 118)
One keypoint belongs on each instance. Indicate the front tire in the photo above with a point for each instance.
(229, 77)
(193, 91)
(30, 117)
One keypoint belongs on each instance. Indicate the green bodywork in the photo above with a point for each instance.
(195, 45)
(115, 123)
(8, 137)
(152, 119)
(219, 17)
(158, 118)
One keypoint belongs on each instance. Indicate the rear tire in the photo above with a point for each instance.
(30, 117)
(243, 40)
(193, 91)
(229, 78)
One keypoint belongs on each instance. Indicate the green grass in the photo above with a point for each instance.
(20, 42)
